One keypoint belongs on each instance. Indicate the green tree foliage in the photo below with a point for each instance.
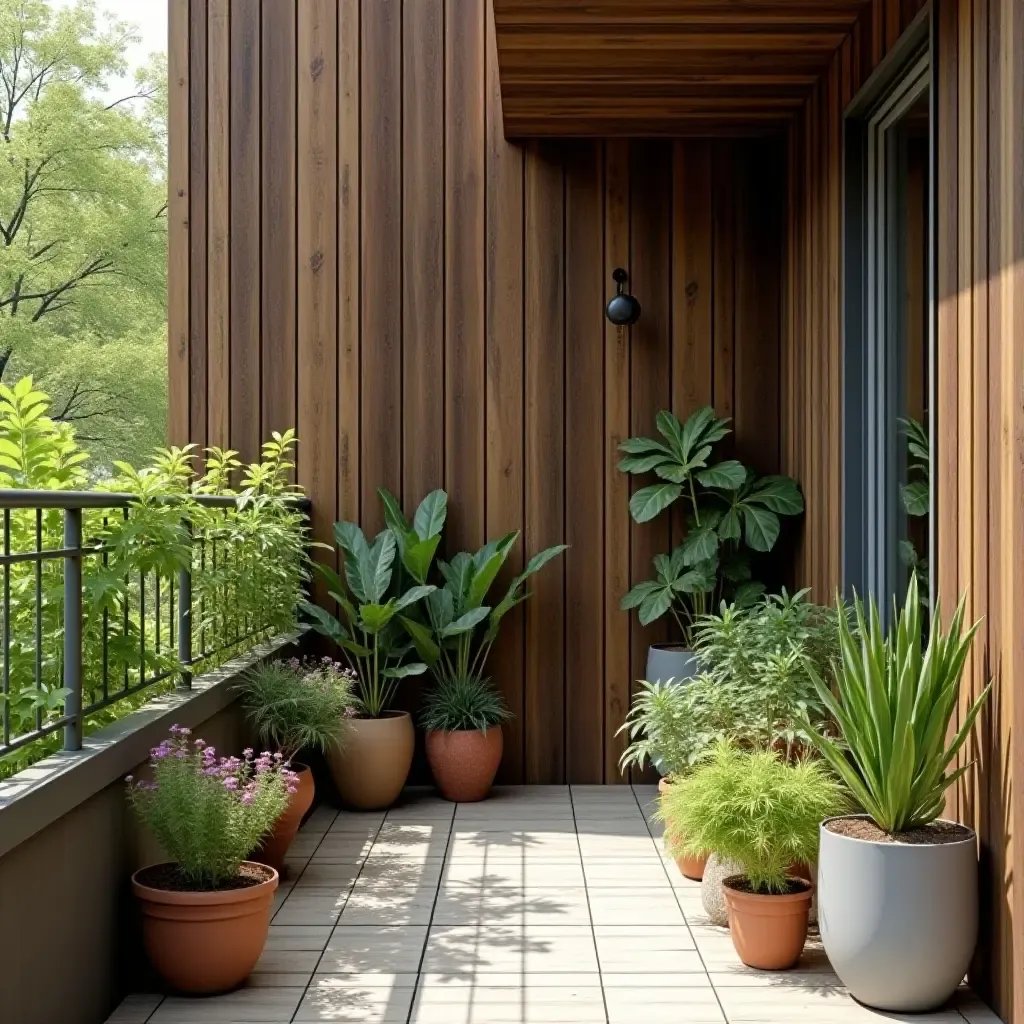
(83, 230)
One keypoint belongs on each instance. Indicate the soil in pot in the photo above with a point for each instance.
(274, 848)
(768, 930)
(372, 762)
(202, 942)
(464, 762)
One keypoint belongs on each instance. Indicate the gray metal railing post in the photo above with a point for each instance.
(185, 616)
(73, 628)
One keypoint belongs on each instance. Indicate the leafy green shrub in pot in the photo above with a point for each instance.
(295, 706)
(462, 716)
(206, 913)
(731, 513)
(758, 810)
(898, 898)
(372, 595)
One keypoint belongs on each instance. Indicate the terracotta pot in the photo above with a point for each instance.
(205, 942)
(768, 931)
(372, 761)
(692, 867)
(274, 848)
(464, 762)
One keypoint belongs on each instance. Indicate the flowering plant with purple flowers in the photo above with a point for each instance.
(209, 812)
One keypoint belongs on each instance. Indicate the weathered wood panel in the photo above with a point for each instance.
(424, 300)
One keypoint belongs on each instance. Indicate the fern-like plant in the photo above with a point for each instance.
(463, 703)
(754, 808)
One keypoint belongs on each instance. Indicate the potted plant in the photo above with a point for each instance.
(758, 810)
(731, 513)
(453, 631)
(898, 897)
(296, 706)
(462, 716)
(206, 912)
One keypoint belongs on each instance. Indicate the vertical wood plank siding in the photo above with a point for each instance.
(371, 261)
(979, 447)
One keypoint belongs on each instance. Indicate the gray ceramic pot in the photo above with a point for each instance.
(670, 661)
(898, 921)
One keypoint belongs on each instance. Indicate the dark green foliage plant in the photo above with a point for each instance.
(463, 703)
(894, 702)
(731, 513)
(208, 812)
(752, 807)
(296, 705)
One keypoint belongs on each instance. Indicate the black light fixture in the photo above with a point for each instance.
(623, 310)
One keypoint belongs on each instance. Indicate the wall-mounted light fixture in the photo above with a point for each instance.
(622, 310)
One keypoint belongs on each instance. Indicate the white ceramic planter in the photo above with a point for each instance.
(898, 921)
(670, 662)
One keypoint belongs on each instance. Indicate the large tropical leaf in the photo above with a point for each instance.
(465, 623)
(404, 671)
(422, 638)
(761, 528)
(418, 556)
(374, 617)
(376, 570)
(394, 517)
(700, 544)
(778, 494)
(487, 564)
(440, 608)
(411, 596)
(726, 476)
(431, 514)
(541, 559)
(648, 502)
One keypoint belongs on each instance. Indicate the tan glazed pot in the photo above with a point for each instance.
(275, 847)
(373, 761)
(768, 931)
(464, 762)
(205, 942)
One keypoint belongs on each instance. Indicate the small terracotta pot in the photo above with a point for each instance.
(372, 760)
(689, 867)
(274, 848)
(768, 931)
(464, 762)
(205, 942)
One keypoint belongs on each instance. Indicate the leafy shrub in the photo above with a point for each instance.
(731, 513)
(295, 705)
(463, 703)
(672, 725)
(248, 566)
(894, 707)
(208, 812)
(754, 808)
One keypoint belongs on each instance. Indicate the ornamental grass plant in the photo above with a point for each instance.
(463, 703)
(295, 705)
(209, 812)
(752, 807)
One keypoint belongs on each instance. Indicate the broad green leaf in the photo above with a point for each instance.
(394, 517)
(404, 671)
(655, 605)
(417, 557)
(761, 527)
(374, 617)
(376, 570)
(539, 560)
(431, 514)
(699, 545)
(422, 638)
(725, 476)
(648, 502)
(672, 430)
(643, 446)
(488, 569)
(440, 608)
(644, 463)
(323, 622)
(638, 594)
(915, 498)
(411, 596)
(748, 594)
(465, 623)
(778, 494)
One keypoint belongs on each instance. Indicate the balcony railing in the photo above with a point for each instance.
(102, 602)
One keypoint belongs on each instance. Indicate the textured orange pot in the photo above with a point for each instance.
(372, 761)
(274, 848)
(768, 931)
(464, 763)
(205, 942)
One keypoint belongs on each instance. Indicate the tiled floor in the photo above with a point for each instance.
(544, 904)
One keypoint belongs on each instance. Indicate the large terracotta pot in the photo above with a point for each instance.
(689, 867)
(768, 931)
(372, 761)
(205, 942)
(464, 762)
(274, 848)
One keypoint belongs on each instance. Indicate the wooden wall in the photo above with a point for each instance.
(357, 250)
(979, 447)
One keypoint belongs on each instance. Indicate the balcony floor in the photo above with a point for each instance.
(550, 904)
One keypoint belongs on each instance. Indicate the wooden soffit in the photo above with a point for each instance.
(662, 67)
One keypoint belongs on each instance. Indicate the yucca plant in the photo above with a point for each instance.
(754, 808)
(893, 708)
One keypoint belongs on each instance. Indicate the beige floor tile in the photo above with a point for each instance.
(635, 906)
(366, 949)
(625, 949)
(322, 875)
(360, 822)
(663, 1005)
(278, 979)
(972, 1009)
(464, 950)
(640, 872)
(319, 821)
(135, 1009)
(380, 905)
(512, 906)
(401, 872)
(251, 1005)
(812, 1005)
(370, 999)
(311, 906)
(616, 828)
(501, 873)
(288, 961)
(343, 846)
(298, 936)
(475, 1003)
(615, 846)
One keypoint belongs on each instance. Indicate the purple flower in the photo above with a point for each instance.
(200, 744)
(180, 730)
(159, 753)
(231, 783)
(247, 799)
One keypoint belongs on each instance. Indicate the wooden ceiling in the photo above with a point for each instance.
(662, 67)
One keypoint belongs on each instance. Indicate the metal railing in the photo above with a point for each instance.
(70, 618)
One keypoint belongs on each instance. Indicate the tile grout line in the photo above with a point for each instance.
(586, 892)
(675, 896)
(430, 921)
(319, 960)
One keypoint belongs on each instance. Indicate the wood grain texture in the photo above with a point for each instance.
(198, 179)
